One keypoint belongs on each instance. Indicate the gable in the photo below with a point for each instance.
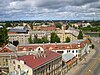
(5, 50)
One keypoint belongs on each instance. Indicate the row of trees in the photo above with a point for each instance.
(91, 29)
(38, 40)
(54, 38)
(80, 35)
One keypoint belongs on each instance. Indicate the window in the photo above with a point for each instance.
(39, 49)
(60, 52)
(73, 51)
(14, 67)
(6, 60)
(18, 66)
(49, 67)
(3, 64)
(13, 62)
(76, 51)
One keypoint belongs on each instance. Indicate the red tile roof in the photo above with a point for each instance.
(50, 28)
(35, 62)
(5, 50)
(60, 46)
(12, 33)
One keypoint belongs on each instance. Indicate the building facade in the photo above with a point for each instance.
(7, 52)
(22, 34)
(21, 38)
(78, 48)
(69, 61)
(39, 63)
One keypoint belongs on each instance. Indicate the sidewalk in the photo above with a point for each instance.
(81, 64)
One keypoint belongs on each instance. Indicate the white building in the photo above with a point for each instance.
(22, 38)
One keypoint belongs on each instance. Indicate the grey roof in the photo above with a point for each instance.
(68, 56)
(11, 47)
(18, 30)
(77, 41)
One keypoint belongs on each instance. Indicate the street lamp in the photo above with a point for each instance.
(91, 72)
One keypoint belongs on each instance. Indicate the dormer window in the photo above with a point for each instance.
(39, 49)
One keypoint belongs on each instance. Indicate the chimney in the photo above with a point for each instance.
(34, 57)
(44, 55)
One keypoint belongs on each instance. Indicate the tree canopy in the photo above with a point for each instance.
(80, 36)
(30, 39)
(54, 38)
(8, 24)
(58, 25)
(15, 43)
(3, 36)
(44, 39)
(38, 40)
(99, 34)
(67, 40)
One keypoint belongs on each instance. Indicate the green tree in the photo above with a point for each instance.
(54, 38)
(67, 40)
(44, 39)
(80, 36)
(8, 24)
(58, 25)
(37, 40)
(30, 39)
(99, 34)
(15, 43)
(3, 36)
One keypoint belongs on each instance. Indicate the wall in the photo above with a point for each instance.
(14, 67)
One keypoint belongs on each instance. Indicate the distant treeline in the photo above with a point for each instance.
(91, 29)
(28, 21)
(95, 23)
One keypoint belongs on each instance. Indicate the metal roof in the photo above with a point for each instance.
(68, 56)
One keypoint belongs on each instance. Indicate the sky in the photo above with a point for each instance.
(49, 10)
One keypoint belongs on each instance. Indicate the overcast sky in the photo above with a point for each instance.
(49, 9)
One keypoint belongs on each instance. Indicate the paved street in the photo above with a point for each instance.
(91, 66)
(80, 66)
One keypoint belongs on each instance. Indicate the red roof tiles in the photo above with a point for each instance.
(35, 62)
(61, 46)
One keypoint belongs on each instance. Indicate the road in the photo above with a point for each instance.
(92, 67)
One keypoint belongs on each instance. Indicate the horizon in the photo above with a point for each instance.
(48, 20)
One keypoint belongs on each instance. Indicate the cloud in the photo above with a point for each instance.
(49, 9)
